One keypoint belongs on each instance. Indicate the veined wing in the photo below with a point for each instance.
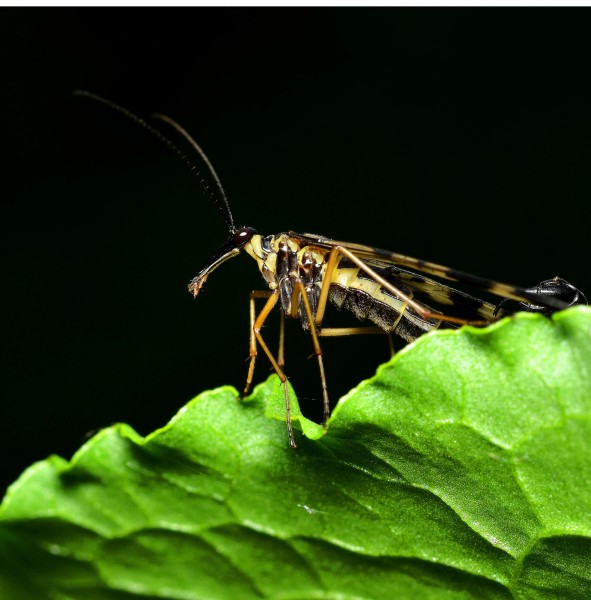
(437, 291)
(434, 294)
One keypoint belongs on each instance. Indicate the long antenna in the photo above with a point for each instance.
(219, 199)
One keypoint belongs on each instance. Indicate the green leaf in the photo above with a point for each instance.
(462, 470)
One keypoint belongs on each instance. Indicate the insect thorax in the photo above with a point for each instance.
(283, 262)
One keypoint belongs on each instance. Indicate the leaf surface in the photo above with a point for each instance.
(461, 470)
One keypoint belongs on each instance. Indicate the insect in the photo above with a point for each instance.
(395, 293)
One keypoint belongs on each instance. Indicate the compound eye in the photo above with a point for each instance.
(242, 236)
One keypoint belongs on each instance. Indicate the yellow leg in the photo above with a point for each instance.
(300, 291)
(252, 347)
(272, 298)
(281, 351)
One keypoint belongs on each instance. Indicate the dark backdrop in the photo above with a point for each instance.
(461, 136)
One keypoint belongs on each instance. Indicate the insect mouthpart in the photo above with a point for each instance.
(230, 249)
(196, 285)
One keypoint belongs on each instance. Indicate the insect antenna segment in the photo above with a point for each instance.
(220, 199)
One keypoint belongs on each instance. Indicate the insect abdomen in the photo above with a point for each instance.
(368, 300)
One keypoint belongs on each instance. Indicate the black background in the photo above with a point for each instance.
(461, 136)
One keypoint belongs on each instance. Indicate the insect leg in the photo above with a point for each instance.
(256, 329)
(330, 267)
(391, 345)
(341, 331)
(326, 332)
(281, 351)
(301, 291)
(323, 298)
(252, 341)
